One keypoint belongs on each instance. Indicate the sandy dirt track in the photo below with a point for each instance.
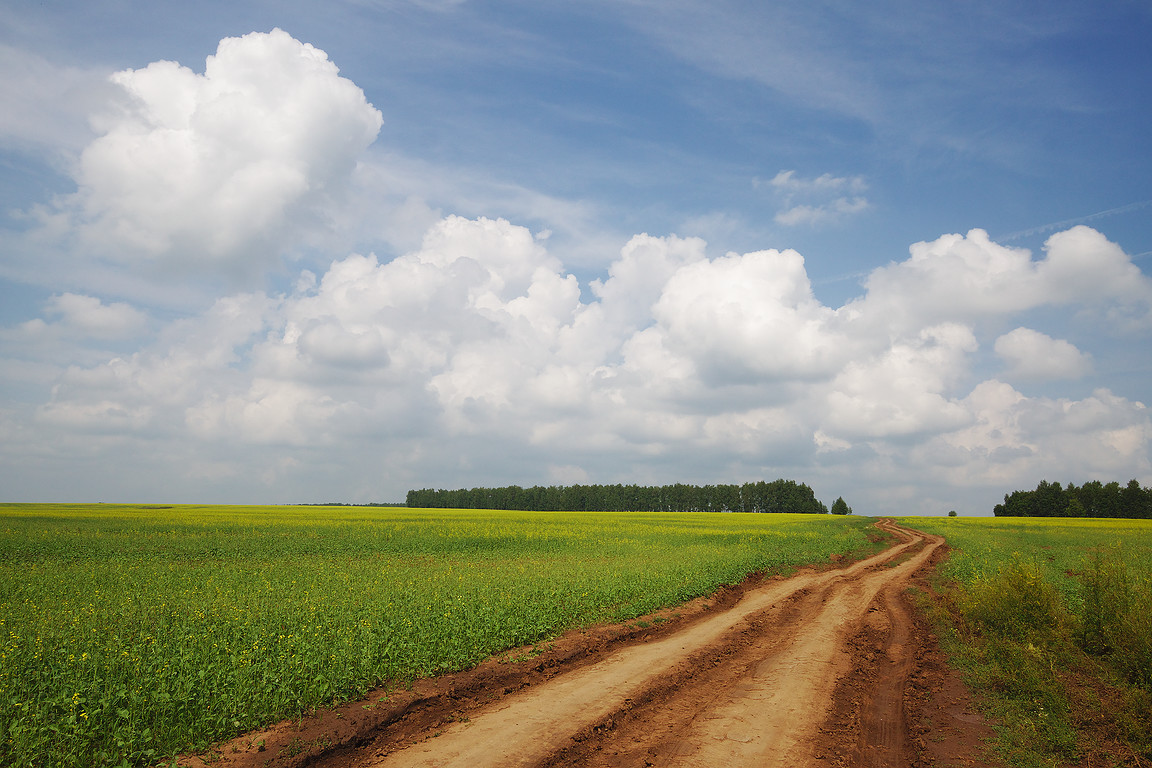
(823, 668)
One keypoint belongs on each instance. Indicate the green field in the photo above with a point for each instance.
(131, 633)
(1051, 620)
(1056, 546)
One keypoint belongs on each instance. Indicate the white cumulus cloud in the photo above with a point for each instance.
(478, 347)
(968, 278)
(904, 390)
(220, 170)
(749, 316)
(88, 317)
(1014, 441)
(1034, 355)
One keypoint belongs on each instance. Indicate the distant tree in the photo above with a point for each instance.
(1049, 498)
(1136, 501)
(1110, 500)
(840, 507)
(726, 498)
(1075, 508)
(777, 496)
(952, 513)
(1093, 499)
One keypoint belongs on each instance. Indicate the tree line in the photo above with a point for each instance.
(776, 496)
(1093, 499)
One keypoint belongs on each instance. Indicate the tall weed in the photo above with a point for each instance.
(1133, 645)
(1115, 620)
(1106, 597)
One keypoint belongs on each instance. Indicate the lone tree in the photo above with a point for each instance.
(840, 507)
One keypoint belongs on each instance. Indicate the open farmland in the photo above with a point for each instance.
(130, 633)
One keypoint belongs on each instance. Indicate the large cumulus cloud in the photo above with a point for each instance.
(479, 344)
(970, 278)
(199, 173)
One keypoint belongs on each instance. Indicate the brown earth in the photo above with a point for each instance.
(826, 668)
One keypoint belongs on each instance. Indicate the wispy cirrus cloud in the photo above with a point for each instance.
(823, 199)
(1068, 223)
(46, 105)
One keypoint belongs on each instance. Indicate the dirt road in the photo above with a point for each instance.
(815, 670)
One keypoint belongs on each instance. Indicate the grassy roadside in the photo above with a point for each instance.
(1050, 621)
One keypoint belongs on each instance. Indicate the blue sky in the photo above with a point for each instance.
(370, 246)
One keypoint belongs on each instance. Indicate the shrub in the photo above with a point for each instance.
(1016, 602)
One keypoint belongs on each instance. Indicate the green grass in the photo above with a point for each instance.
(132, 633)
(1052, 621)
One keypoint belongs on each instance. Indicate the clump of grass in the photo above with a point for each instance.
(1018, 603)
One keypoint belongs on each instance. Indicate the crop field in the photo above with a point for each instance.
(1055, 627)
(131, 633)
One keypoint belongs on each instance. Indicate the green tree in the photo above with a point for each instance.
(840, 507)
(1075, 508)
(1134, 501)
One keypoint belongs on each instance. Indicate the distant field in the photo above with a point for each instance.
(130, 633)
(1058, 546)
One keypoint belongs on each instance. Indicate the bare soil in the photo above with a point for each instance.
(829, 667)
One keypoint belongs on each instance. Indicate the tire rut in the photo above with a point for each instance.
(883, 725)
(751, 685)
